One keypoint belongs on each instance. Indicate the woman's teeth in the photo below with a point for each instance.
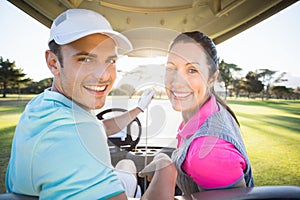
(181, 95)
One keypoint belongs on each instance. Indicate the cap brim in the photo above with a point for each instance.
(121, 41)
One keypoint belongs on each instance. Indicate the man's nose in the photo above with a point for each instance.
(102, 73)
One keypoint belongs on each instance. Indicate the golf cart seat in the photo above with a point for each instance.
(261, 192)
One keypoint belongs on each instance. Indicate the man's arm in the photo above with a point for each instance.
(116, 124)
(121, 196)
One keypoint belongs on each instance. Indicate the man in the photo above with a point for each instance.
(59, 149)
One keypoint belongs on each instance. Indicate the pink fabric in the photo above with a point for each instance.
(211, 162)
(222, 166)
(187, 130)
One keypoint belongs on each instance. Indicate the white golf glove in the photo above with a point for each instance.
(145, 99)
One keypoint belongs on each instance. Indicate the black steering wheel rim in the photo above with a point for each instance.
(128, 141)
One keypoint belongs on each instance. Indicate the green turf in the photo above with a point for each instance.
(271, 130)
(10, 111)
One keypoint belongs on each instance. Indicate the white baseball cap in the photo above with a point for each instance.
(74, 24)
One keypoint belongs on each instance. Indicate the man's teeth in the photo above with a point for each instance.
(181, 95)
(97, 88)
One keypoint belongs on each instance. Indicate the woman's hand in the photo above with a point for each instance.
(162, 174)
(159, 161)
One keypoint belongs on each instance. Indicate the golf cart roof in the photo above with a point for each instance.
(219, 19)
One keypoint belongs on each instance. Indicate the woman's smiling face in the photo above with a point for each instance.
(187, 74)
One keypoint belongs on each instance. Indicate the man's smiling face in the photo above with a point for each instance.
(88, 70)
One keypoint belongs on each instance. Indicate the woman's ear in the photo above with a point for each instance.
(213, 78)
(52, 62)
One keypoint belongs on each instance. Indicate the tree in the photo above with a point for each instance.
(37, 87)
(226, 74)
(238, 86)
(253, 84)
(10, 76)
(268, 79)
(282, 92)
(129, 89)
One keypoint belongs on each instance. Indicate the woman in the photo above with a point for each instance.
(211, 153)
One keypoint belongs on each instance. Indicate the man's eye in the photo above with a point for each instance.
(170, 69)
(85, 60)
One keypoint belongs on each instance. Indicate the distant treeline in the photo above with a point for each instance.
(262, 83)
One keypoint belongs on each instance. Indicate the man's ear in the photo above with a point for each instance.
(52, 62)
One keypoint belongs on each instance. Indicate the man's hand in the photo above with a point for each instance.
(145, 99)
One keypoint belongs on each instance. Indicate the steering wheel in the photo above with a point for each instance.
(128, 144)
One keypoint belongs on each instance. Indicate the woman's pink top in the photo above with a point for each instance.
(211, 162)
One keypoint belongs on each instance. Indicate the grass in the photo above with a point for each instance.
(270, 130)
(10, 111)
(271, 133)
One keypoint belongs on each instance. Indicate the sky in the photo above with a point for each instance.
(272, 44)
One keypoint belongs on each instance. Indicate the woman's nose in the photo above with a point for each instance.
(178, 78)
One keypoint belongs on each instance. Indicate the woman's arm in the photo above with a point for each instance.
(241, 184)
(162, 173)
(214, 165)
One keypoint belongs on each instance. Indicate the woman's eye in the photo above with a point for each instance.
(192, 71)
(111, 61)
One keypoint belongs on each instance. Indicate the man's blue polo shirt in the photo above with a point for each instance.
(60, 151)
